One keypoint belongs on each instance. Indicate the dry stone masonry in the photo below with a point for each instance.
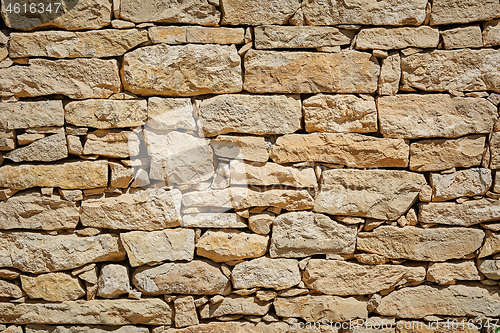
(250, 166)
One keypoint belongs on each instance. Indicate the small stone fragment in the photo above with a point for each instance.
(113, 281)
(491, 33)
(462, 37)
(276, 37)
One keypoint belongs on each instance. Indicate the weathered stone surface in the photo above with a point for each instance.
(277, 37)
(257, 12)
(121, 176)
(113, 143)
(32, 328)
(94, 312)
(103, 114)
(378, 194)
(465, 214)
(491, 33)
(185, 70)
(491, 244)
(289, 199)
(469, 70)
(10, 290)
(317, 308)
(342, 278)
(49, 149)
(354, 150)
(7, 140)
(438, 115)
(22, 250)
(52, 287)
(435, 244)
(154, 247)
(250, 148)
(60, 44)
(449, 272)
(277, 274)
(206, 35)
(469, 182)
(302, 234)
(456, 11)
(390, 75)
(168, 34)
(462, 37)
(213, 220)
(148, 209)
(308, 72)
(235, 305)
(186, 11)
(113, 281)
(80, 15)
(397, 38)
(31, 210)
(31, 114)
(255, 114)
(386, 12)
(495, 150)
(67, 175)
(75, 78)
(340, 113)
(195, 278)
(490, 268)
(171, 113)
(444, 154)
(455, 300)
(229, 245)
(231, 327)
(271, 174)
(185, 311)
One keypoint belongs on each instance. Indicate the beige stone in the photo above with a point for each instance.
(495, 150)
(271, 174)
(289, 199)
(340, 113)
(371, 259)
(414, 116)
(250, 148)
(431, 327)
(278, 37)
(397, 38)
(206, 35)
(257, 12)
(34, 328)
(269, 273)
(75, 78)
(235, 305)
(185, 311)
(112, 143)
(468, 70)
(48, 149)
(390, 75)
(350, 149)
(171, 113)
(469, 182)
(147, 248)
(113, 281)
(185, 70)
(213, 220)
(103, 114)
(53, 287)
(450, 272)
(254, 114)
(309, 72)
(193, 278)
(342, 278)
(491, 244)
(9, 274)
(121, 176)
(454, 300)
(75, 146)
(61, 44)
(444, 154)
(31, 114)
(434, 244)
(148, 209)
(302, 234)
(94, 312)
(462, 37)
(491, 33)
(27, 138)
(261, 223)
(168, 34)
(4, 53)
(490, 268)
(456, 11)
(232, 327)
(10, 290)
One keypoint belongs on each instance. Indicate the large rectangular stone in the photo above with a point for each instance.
(458, 11)
(249, 148)
(290, 37)
(309, 72)
(257, 12)
(114, 143)
(465, 214)
(31, 114)
(213, 220)
(463, 183)
(397, 38)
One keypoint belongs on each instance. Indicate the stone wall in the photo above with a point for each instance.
(219, 166)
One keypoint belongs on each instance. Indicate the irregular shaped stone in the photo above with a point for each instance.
(7, 140)
(378, 194)
(148, 209)
(385, 12)
(276, 274)
(318, 308)
(193, 278)
(197, 69)
(461, 70)
(390, 75)
(491, 33)
(25, 251)
(249, 148)
(230, 245)
(289, 199)
(302, 234)
(491, 244)
(340, 113)
(454, 300)
(490, 268)
(66, 175)
(213, 220)
(113, 281)
(31, 114)
(10, 290)
(495, 150)
(53, 287)
(75, 78)
(257, 12)
(456, 11)
(171, 113)
(309, 72)
(435, 244)
(450, 272)
(146, 248)
(121, 176)
(61, 44)
(32, 328)
(232, 327)
(254, 114)
(204, 35)
(209, 198)
(444, 154)
(94, 312)
(469, 182)
(415, 116)
(103, 114)
(49, 149)
(235, 305)
(289, 37)
(349, 149)
(397, 38)
(462, 37)
(168, 34)
(112, 143)
(185, 311)
(31, 210)
(271, 174)
(169, 11)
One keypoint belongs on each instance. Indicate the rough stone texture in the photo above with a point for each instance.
(84, 329)
(48, 149)
(495, 150)
(213, 220)
(490, 268)
(257, 12)
(185, 70)
(250, 148)
(435, 244)
(185, 311)
(415, 116)
(232, 327)
(121, 176)
(450, 272)
(113, 143)
(390, 75)
(340, 113)
(302, 234)
(75, 78)
(31, 114)
(456, 11)
(289, 199)
(113, 281)
(215, 35)
(397, 38)
(462, 37)
(276, 37)
(234, 305)
(491, 244)
(148, 209)
(9, 289)
(171, 113)
(308, 72)
(271, 174)
(469, 182)
(491, 33)
(53, 287)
